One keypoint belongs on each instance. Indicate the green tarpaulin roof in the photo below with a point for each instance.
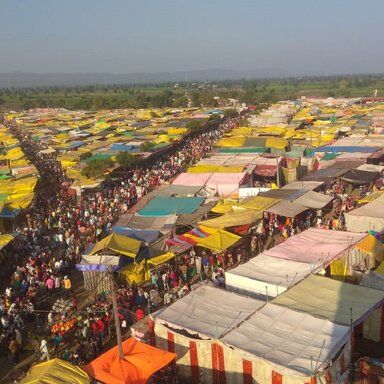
(161, 206)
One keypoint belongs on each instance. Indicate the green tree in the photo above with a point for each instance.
(147, 146)
(126, 160)
(193, 124)
(96, 168)
(229, 113)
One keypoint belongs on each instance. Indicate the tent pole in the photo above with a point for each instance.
(116, 316)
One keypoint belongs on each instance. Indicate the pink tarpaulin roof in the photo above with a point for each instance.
(225, 184)
(315, 245)
(192, 179)
(225, 179)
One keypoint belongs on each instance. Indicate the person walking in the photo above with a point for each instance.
(67, 286)
(44, 350)
(14, 350)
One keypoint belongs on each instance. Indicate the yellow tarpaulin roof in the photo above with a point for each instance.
(161, 259)
(235, 141)
(135, 272)
(177, 131)
(258, 203)
(276, 142)
(219, 241)
(246, 216)
(56, 371)
(224, 206)
(372, 246)
(206, 168)
(5, 239)
(371, 197)
(20, 202)
(118, 243)
(380, 269)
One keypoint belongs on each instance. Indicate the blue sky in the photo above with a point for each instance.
(124, 36)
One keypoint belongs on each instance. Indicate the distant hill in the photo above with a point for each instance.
(26, 80)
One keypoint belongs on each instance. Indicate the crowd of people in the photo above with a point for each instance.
(59, 226)
(54, 233)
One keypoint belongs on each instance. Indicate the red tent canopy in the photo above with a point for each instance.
(140, 363)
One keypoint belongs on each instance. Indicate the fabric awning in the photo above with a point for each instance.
(359, 177)
(207, 311)
(289, 340)
(140, 362)
(332, 299)
(287, 209)
(266, 170)
(117, 243)
(314, 200)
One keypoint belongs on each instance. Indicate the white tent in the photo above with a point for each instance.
(368, 217)
(294, 344)
(316, 245)
(314, 200)
(267, 276)
(191, 326)
(208, 312)
(332, 299)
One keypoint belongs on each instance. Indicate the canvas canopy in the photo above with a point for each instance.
(285, 194)
(162, 206)
(371, 168)
(332, 299)
(219, 241)
(140, 363)
(191, 219)
(316, 245)
(179, 190)
(359, 177)
(205, 168)
(258, 203)
(241, 217)
(373, 279)
(314, 200)
(5, 239)
(158, 260)
(56, 371)
(266, 276)
(291, 341)
(146, 235)
(207, 312)
(192, 179)
(287, 208)
(372, 246)
(368, 217)
(161, 223)
(117, 243)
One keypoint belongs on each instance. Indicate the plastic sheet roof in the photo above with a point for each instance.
(315, 245)
(314, 200)
(56, 371)
(208, 312)
(263, 270)
(140, 362)
(287, 208)
(332, 299)
(162, 206)
(292, 340)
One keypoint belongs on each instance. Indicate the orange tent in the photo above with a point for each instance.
(141, 361)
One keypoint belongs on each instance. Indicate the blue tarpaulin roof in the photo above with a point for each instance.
(9, 213)
(147, 235)
(124, 147)
(161, 206)
(76, 144)
(346, 148)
